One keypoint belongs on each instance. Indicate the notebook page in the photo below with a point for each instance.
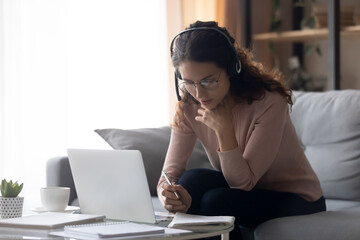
(115, 229)
(201, 223)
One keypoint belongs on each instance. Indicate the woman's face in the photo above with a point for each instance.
(210, 93)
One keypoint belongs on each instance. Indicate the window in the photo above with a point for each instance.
(69, 67)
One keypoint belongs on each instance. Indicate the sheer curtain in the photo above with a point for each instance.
(69, 67)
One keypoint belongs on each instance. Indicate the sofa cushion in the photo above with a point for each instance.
(334, 225)
(336, 205)
(328, 127)
(153, 144)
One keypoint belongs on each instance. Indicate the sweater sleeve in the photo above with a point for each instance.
(243, 169)
(181, 145)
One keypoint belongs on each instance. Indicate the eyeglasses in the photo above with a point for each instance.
(206, 84)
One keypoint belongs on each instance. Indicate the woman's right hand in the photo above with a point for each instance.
(171, 202)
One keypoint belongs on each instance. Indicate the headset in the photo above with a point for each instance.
(233, 69)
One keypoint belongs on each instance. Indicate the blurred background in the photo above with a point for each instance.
(69, 67)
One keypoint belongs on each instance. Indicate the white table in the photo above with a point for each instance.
(17, 233)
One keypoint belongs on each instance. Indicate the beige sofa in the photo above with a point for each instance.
(328, 126)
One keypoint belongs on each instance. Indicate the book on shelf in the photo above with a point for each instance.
(112, 230)
(50, 220)
(201, 223)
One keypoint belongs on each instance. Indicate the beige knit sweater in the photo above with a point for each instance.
(269, 155)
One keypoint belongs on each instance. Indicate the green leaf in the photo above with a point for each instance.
(275, 23)
(312, 22)
(275, 3)
(10, 189)
(21, 187)
(318, 50)
(3, 187)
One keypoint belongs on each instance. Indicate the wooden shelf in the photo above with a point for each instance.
(305, 35)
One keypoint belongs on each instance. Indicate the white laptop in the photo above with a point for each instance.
(112, 183)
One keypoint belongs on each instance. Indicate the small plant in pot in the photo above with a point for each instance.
(11, 204)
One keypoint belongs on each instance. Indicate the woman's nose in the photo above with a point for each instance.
(199, 91)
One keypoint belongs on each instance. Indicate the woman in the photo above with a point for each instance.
(240, 112)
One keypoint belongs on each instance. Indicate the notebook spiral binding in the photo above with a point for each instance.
(96, 224)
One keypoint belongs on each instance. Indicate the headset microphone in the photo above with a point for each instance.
(176, 87)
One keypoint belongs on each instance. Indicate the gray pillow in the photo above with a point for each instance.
(328, 127)
(153, 144)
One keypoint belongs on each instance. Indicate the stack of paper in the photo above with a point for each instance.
(198, 223)
(50, 220)
(111, 230)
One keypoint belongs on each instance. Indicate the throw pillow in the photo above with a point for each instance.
(153, 144)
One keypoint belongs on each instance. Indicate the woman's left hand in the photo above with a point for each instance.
(218, 119)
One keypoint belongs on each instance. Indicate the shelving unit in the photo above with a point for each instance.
(332, 33)
(305, 35)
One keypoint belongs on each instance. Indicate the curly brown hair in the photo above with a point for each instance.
(210, 46)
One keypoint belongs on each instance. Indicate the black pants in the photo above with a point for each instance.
(211, 195)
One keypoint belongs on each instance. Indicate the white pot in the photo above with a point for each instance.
(11, 207)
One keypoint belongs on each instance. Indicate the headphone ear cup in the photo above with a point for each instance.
(234, 68)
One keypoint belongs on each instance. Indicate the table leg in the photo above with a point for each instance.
(225, 236)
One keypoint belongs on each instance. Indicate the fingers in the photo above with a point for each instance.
(171, 202)
(201, 111)
(202, 115)
(170, 195)
(181, 190)
(175, 202)
(173, 209)
(169, 191)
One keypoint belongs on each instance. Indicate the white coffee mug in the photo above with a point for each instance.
(55, 198)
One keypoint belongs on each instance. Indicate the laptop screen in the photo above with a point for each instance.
(112, 183)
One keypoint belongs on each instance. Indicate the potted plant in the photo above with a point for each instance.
(11, 204)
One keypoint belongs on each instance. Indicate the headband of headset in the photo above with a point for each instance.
(234, 67)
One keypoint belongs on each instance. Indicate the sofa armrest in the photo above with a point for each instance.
(58, 174)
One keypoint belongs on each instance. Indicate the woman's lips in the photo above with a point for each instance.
(205, 102)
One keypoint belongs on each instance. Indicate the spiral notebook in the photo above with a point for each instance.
(112, 229)
(199, 223)
(50, 220)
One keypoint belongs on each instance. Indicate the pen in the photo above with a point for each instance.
(169, 182)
